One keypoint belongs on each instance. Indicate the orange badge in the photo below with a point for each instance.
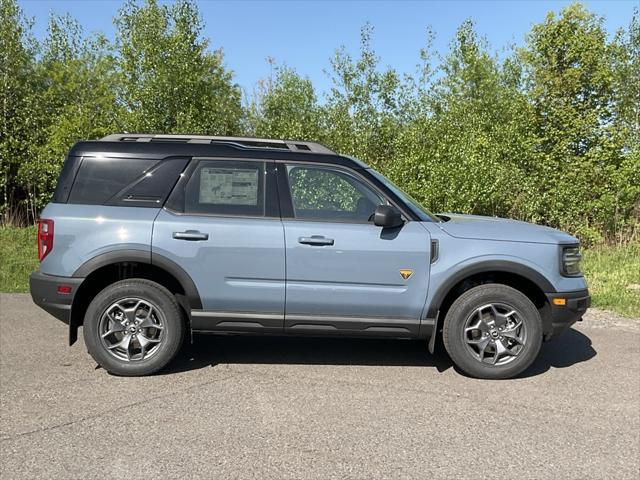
(405, 272)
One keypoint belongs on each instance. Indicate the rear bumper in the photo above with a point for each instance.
(563, 316)
(44, 292)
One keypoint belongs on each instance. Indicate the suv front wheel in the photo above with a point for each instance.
(133, 327)
(492, 331)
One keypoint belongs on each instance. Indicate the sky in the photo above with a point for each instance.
(305, 34)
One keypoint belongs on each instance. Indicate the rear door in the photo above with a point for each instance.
(222, 226)
(344, 274)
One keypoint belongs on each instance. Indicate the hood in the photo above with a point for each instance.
(502, 229)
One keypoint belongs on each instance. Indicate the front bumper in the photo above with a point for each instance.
(563, 316)
(45, 294)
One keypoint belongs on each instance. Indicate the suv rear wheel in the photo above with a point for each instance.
(492, 331)
(133, 327)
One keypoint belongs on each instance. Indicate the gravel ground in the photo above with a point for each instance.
(286, 408)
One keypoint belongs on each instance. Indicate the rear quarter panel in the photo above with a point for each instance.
(82, 232)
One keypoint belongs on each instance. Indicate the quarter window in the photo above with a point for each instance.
(100, 178)
(329, 194)
(153, 188)
(226, 188)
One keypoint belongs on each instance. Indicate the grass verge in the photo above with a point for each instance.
(613, 275)
(18, 258)
(613, 272)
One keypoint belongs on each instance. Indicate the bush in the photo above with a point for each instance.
(549, 134)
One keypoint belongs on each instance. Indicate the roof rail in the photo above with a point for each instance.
(247, 142)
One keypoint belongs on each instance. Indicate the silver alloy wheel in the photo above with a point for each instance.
(132, 329)
(495, 333)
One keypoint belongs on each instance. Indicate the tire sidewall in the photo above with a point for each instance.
(465, 305)
(172, 335)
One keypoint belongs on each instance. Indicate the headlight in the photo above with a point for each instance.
(571, 258)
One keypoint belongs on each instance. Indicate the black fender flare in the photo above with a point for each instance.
(501, 266)
(144, 256)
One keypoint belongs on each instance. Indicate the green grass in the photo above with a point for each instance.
(613, 275)
(612, 272)
(18, 258)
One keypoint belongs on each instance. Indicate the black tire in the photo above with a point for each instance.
(172, 334)
(453, 333)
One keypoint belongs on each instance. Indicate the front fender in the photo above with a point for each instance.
(476, 265)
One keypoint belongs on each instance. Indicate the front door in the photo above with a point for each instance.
(344, 274)
(222, 226)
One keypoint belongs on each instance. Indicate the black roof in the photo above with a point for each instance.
(164, 146)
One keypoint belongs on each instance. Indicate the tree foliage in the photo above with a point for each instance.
(362, 115)
(168, 80)
(287, 107)
(70, 67)
(17, 88)
(549, 132)
(472, 152)
(571, 87)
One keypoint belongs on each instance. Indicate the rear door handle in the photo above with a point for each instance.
(193, 235)
(316, 240)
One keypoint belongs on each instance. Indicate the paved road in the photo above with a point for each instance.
(290, 408)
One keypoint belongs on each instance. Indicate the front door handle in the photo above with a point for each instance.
(193, 235)
(316, 240)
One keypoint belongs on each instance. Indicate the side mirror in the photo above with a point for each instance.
(387, 216)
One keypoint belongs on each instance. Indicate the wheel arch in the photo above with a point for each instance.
(527, 280)
(106, 268)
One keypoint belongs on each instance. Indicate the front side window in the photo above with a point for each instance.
(226, 187)
(330, 194)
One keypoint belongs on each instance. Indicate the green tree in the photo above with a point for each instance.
(17, 50)
(551, 133)
(470, 151)
(626, 86)
(287, 108)
(76, 100)
(626, 81)
(169, 81)
(363, 112)
(570, 85)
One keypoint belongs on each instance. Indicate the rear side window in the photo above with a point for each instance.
(153, 188)
(226, 187)
(100, 178)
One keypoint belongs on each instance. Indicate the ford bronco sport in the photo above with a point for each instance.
(151, 237)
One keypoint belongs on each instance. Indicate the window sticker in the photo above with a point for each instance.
(229, 186)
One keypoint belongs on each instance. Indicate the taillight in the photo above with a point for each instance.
(45, 238)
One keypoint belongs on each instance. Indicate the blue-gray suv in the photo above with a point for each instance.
(151, 237)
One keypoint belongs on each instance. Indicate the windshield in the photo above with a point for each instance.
(422, 213)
